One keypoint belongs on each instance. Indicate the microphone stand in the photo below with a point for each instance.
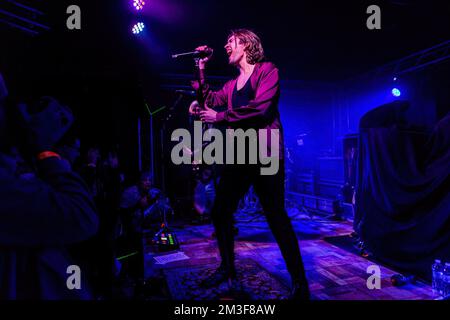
(200, 78)
(205, 126)
(199, 92)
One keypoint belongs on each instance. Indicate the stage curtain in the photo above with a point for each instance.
(402, 198)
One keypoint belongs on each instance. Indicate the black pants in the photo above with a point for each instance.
(234, 182)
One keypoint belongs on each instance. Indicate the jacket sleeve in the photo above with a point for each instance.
(214, 98)
(54, 209)
(266, 96)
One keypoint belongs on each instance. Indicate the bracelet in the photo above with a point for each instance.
(48, 154)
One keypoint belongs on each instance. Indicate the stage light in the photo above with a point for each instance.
(138, 28)
(396, 92)
(138, 4)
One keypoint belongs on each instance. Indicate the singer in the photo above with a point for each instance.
(252, 102)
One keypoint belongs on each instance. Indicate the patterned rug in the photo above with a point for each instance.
(254, 283)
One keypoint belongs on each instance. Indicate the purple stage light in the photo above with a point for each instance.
(138, 4)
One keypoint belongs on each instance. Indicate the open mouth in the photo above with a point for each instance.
(229, 52)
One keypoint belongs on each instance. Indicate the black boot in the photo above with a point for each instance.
(300, 291)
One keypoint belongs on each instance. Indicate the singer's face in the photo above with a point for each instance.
(235, 50)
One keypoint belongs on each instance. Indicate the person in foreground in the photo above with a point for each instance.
(41, 216)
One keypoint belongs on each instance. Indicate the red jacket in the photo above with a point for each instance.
(262, 112)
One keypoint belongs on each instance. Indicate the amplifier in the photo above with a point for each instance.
(300, 183)
(329, 188)
(330, 168)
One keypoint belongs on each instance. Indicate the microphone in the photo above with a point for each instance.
(195, 54)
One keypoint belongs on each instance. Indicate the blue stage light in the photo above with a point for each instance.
(138, 28)
(396, 92)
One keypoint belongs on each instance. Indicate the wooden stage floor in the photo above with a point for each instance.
(333, 273)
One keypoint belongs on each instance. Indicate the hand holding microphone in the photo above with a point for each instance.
(208, 52)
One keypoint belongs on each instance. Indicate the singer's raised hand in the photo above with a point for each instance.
(202, 62)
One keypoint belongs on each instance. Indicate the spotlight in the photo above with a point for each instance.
(138, 4)
(396, 92)
(138, 28)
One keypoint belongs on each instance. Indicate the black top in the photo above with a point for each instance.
(243, 96)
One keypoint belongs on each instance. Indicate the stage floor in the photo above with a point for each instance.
(333, 273)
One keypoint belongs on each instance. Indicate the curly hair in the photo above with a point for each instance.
(252, 43)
